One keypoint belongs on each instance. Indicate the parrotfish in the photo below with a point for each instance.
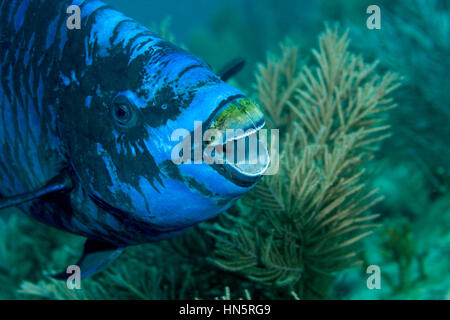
(86, 123)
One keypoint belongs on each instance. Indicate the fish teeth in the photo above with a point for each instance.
(246, 134)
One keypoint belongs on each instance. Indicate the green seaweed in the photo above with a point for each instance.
(334, 114)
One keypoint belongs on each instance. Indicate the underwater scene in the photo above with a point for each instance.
(121, 130)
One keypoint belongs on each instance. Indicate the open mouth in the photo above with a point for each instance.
(240, 145)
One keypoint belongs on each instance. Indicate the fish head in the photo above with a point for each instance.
(124, 142)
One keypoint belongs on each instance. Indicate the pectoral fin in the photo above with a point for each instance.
(61, 182)
(232, 69)
(96, 257)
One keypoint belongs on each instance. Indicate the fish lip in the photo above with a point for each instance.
(236, 173)
(232, 171)
(221, 107)
(247, 132)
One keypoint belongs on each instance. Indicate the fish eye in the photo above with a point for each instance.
(123, 112)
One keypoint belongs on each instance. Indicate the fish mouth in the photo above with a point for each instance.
(244, 153)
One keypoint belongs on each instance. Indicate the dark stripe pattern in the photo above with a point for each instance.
(59, 106)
